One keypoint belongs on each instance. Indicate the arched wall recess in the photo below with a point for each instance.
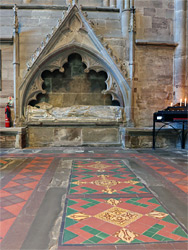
(65, 40)
(34, 87)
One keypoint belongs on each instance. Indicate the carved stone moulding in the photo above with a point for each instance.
(57, 63)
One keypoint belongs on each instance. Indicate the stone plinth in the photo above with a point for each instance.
(13, 137)
(57, 136)
(142, 138)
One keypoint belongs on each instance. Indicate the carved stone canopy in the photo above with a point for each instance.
(73, 34)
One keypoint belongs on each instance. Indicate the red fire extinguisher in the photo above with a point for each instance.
(7, 116)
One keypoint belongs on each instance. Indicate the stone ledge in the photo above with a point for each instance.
(143, 138)
(156, 43)
(14, 137)
(57, 7)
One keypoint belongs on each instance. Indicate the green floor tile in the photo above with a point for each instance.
(158, 237)
(160, 209)
(73, 185)
(144, 190)
(72, 191)
(68, 235)
(95, 231)
(71, 211)
(87, 242)
(122, 242)
(169, 219)
(180, 232)
(136, 241)
(95, 239)
(102, 235)
(149, 234)
(71, 202)
(85, 206)
(153, 200)
(87, 177)
(70, 222)
(139, 184)
(87, 228)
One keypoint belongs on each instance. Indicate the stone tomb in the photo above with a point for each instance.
(74, 110)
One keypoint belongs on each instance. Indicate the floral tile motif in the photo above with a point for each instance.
(118, 216)
(106, 184)
(99, 166)
(118, 221)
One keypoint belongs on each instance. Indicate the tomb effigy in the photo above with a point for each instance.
(82, 114)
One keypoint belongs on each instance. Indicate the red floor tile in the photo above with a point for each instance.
(25, 195)
(16, 208)
(5, 226)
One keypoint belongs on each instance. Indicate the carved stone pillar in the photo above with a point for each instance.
(16, 62)
(125, 19)
(113, 3)
(180, 53)
(120, 4)
(106, 3)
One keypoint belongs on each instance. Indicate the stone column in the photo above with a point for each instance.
(180, 52)
(113, 3)
(131, 38)
(125, 19)
(16, 62)
(120, 4)
(105, 3)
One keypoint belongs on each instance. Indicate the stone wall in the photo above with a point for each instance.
(153, 80)
(153, 88)
(154, 19)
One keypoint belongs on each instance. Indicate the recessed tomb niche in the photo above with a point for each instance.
(74, 86)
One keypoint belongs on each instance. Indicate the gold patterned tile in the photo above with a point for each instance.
(126, 235)
(113, 202)
(78, 216)
(118, 216)
(99, 166)
(157, 215)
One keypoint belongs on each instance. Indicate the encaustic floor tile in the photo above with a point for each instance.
(99, 166)
(118, 221)
(106, 184)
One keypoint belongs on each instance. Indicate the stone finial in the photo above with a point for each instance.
(15, 22)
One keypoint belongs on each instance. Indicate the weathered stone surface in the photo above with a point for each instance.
(149, 11)
(100, 135)
(72, 136)
(75, 114)
(142, 138)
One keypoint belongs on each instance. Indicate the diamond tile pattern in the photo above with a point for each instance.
(111, 220)
(131, 220)
(109, 184)
(170, 173)
(17, 191)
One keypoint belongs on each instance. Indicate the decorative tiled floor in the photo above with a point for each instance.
(17, 190)
(177, 177)
(106, 219)
(114, 221)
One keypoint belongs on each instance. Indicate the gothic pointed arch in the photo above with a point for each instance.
(73, 35)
